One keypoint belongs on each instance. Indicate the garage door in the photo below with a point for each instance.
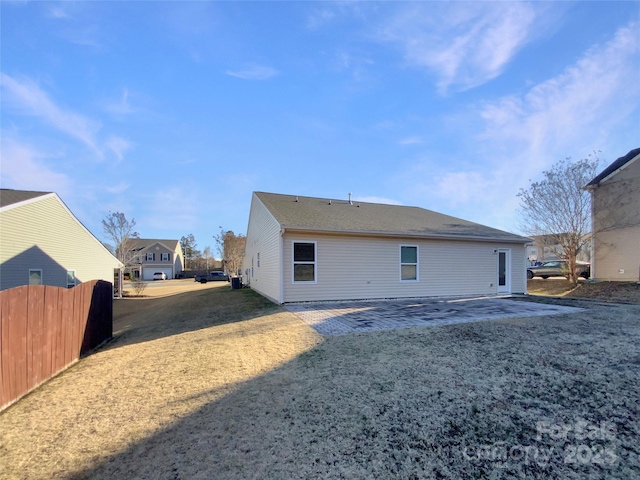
(148, 272)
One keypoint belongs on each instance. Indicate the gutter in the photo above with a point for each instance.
(520, 241)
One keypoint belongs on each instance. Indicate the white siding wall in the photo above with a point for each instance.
(43, 235)
(263, 237)
(360, 268)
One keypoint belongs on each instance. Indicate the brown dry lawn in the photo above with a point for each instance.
(219, 383)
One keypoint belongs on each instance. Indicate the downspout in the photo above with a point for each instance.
(281, 255)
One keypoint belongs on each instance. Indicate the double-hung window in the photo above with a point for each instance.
(164, 257)
(150, 257)
(408, 263)
(304, 262)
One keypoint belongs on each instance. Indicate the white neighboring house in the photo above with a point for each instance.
(615, 216)
(43, 243)
(148, 256)
(312, 249)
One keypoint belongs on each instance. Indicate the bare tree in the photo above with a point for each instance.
(231, 248)
(120, 231)
(138, 286)
(558, 207)
(206, 253)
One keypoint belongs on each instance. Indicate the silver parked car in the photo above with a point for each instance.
(558, 268)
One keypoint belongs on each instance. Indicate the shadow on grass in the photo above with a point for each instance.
(405, 404)
(143, 320)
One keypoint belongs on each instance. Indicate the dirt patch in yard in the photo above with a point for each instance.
(237, 388)
(616, 292)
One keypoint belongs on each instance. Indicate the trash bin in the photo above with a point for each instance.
(235, 282)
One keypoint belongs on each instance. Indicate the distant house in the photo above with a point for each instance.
(148, 256)
(309, 249)
(43, 243)
(615, 209)
(545, 248)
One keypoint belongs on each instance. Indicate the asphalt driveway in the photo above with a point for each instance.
(339, 318)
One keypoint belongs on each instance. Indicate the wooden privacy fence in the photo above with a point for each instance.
(45, 329)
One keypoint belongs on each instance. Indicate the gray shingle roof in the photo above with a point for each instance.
(9, 197)
(615, 165)
(142, 243)
(338, 216)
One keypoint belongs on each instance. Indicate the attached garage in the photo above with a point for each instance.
(147, 273)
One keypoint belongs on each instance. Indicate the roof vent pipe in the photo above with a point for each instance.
(350, 202)
(296, 199)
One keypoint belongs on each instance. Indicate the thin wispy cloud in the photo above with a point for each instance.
(58, 12)
(374, 199)
(173, 206)
(118, 146)
(30, 99)
(519, 136)
(578, 106)
(27, 98)
(121, 106)
(255, 72)
(411, 141)
(25, 168)
(358, 65)
(119, 188)
(463, 44)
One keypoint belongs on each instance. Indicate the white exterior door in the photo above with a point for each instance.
(504, 271)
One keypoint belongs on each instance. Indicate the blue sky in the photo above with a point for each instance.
(173, 113)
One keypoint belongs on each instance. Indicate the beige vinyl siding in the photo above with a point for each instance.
(353, 267)
(42, 234)
(616, 226)
(617, 250)
(263, 237)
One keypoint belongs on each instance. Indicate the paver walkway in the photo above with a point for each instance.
(338, 318)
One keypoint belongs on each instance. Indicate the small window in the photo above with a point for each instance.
(150, 257)
(164, 257)
(304, 262)
(71, 278)
(258, 259)
(35, 277)
(408, 263)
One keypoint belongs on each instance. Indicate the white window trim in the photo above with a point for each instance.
(35, 270)
(314, 263)
(146, 257)
(162, 255)
(417, 264)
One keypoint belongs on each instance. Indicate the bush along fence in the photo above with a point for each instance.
(45, 329)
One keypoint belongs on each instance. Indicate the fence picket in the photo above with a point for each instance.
(44, 329)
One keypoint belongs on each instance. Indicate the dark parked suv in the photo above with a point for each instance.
(558, 268)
